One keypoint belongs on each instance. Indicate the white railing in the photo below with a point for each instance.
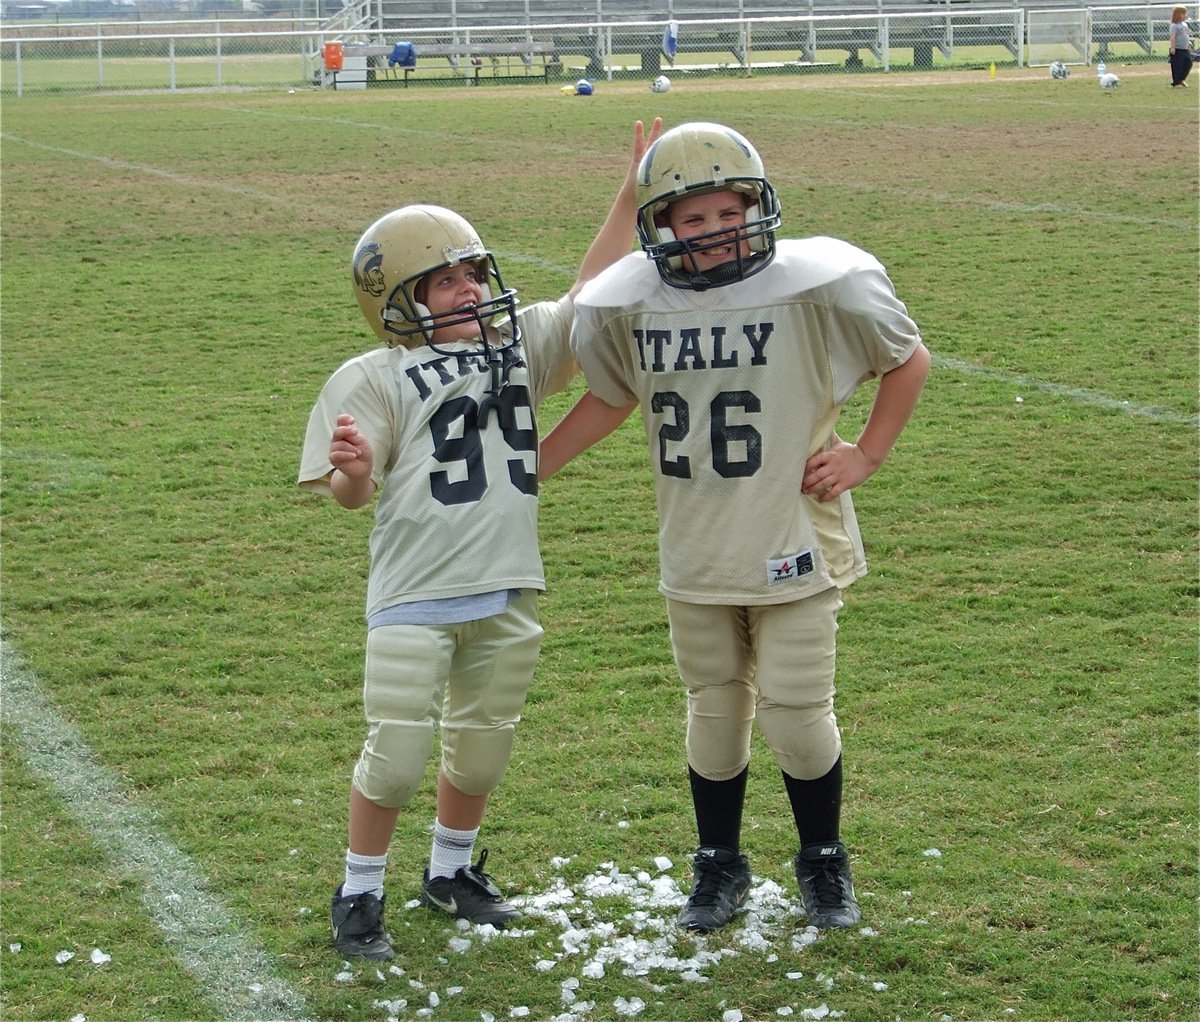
(235, 54)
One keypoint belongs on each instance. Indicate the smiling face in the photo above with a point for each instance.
(450, 288)
(709, 214)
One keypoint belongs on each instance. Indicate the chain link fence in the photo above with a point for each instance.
(297, 53)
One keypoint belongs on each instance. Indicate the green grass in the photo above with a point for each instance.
(1017, 674)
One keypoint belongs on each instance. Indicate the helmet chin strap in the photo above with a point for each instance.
(497, 366)
(725, 273)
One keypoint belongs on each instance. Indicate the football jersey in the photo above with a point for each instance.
(456, 508)
(738, 386)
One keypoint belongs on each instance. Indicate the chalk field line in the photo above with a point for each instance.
(232, 970)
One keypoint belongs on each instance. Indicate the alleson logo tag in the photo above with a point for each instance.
(790, 567)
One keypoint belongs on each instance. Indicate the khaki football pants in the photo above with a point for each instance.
(472, 678)
(773, 664)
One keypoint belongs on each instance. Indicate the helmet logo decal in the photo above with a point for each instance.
(742, 144)
(465, 253)
(368, 269)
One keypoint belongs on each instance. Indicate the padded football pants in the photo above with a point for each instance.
(472, 678)
(773, 664)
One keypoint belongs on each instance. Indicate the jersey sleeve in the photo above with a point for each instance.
(601, 311)
(546, 332)
(605, 363)
(877, 333)
(353, 389)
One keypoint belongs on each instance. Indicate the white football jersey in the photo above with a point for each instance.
(738, 385)
(456, 512)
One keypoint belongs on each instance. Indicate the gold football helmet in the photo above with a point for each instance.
(398, 250)
(689, 160)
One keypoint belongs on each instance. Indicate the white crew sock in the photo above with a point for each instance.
(364, 873)
(452, 850)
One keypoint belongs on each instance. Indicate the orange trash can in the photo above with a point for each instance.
(334, 56)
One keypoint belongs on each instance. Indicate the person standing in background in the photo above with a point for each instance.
(1179, 48)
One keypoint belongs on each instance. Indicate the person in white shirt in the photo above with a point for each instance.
(1179, 48)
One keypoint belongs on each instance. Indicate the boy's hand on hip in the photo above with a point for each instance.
(828, 474)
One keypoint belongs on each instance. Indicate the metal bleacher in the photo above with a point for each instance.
(399, 14)
(539, 38)
(373, 22)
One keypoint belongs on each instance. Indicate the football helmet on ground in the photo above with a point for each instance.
(661, 84)
(1059, 70)
(692, 159)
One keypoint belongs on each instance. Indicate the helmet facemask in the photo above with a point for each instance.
(753, 243)
(694, 159)
(490, 314)
(406, 315)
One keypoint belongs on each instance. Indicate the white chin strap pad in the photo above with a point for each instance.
(665, 234)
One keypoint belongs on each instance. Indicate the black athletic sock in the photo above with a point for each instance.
(817, 806)
(718, 806)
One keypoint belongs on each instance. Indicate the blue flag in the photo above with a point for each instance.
(670, 43)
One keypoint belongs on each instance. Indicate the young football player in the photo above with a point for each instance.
(441, 423)
(740, 350)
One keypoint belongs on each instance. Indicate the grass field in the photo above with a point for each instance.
(182, 627)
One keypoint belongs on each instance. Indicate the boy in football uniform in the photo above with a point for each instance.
(441, 422)
(740, 351)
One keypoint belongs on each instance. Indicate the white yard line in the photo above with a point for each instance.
(1077, 394)
(201, 183)
(232, 970)
(1068, 210)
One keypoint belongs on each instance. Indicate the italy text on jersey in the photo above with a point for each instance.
(736, 445)
(684, 348)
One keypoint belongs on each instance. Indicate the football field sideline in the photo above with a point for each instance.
(236, 974)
